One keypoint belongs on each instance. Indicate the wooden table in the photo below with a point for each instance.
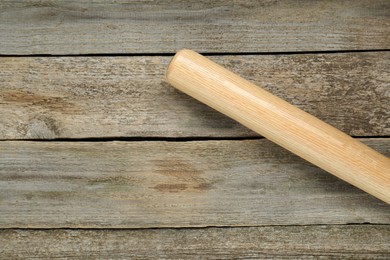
(99, 158)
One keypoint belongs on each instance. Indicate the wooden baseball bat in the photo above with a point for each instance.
(281, 122)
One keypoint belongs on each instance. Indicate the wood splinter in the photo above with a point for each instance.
(281, 122)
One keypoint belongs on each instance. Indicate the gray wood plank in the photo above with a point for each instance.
(79, 27)
(173, 184)
(280, 242)
(81, 97)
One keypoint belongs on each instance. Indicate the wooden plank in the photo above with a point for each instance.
(281, 242)
(77, 27)
(79, 97)
(173, 184)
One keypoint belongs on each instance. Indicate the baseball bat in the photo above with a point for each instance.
(279, 121)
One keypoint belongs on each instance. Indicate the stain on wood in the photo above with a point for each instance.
(81, 97)
(72, 27)
(173, 184)
(281, 242)
(183, 176)
(32, 99)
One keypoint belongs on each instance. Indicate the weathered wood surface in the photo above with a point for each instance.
(77, 27)
(281, 242)
(184, 184)
(78, 97)
(173, 184)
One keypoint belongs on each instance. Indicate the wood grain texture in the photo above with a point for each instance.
(79, 97)
(280, 242)
(74, 27)
(173, 184)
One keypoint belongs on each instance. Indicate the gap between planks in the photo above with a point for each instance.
(157, 139)
(203, 53)
(194, 227)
